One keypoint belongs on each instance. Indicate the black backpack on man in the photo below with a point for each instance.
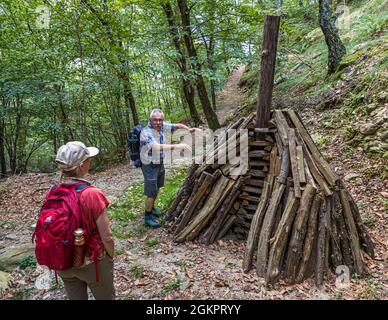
(134, 145)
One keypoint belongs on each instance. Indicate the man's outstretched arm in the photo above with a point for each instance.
(182, 126)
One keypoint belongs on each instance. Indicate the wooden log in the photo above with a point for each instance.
(279, 212)
(257, 154)
(315, 172)
(226, 226)
(216, 225)
(241, 222)
(328, 231)
(267, 70)
(205, 214)
(265, 130)
(279, 144)
(193, 201)
(294, 161)
(323, 166)
(247, 216)
(183, 192)
(335, 244)
(337, 214)
(257, 173)
(280, 241)
(244, 203)
(253, 190)
(309, 176)
(216, 174)
(250, 199)
(259, 163)
(300, 160)
(351, 227)
(310, 236)
(272, 166)
(255, 182)
(282, 126)
(266, 229)
(259, 143)
(365, 239)
(285, 165)
(254, 230)
(322, 234)
(251, 207)
(241, 231)
(277, 166)
(298, 233)
(237, 205)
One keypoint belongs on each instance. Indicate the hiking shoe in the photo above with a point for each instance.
(156, 212)
(150, 221)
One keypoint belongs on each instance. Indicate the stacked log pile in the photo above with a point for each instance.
(295, 214)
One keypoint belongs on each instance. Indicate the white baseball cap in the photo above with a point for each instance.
(72, 154)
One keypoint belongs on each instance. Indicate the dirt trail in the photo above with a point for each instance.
(231, 96)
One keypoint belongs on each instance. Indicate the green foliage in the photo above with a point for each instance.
(130, 204)
(368, 220)
(169, 191)
(172, 285)
(27, 262)
(121, 231)
(152, 242)
(137, 272)
(3, 185)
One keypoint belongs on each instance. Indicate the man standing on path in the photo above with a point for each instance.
(152, 147)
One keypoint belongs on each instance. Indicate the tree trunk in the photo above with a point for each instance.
(188, 88)
(129, 98)
(335, 46)
(3, 167)
(210, 115)
(267, 71)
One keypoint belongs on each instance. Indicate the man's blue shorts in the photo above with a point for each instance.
(153, 178)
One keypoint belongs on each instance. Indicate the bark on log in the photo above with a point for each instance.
(298, 234)
(267, 73)
(222, 212)
(282, 125)
(193, 201)
(263, 245)
(226, 226)
(253, 235)
(285, 165)
(315, 172)
(310, 237)
(335, 243)
(322, 234)
(354, 240)
(202, 217)
(337, 213)
(300, 159)
(321, 163)
(294, 161)
(280, 241)
(366, 241)
(183, 192)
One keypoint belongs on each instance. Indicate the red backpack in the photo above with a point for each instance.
(59, 217)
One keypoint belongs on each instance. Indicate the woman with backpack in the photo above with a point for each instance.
(88, 211)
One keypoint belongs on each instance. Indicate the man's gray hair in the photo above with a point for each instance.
(156, 110)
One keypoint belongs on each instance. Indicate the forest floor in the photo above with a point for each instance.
(150, 266)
